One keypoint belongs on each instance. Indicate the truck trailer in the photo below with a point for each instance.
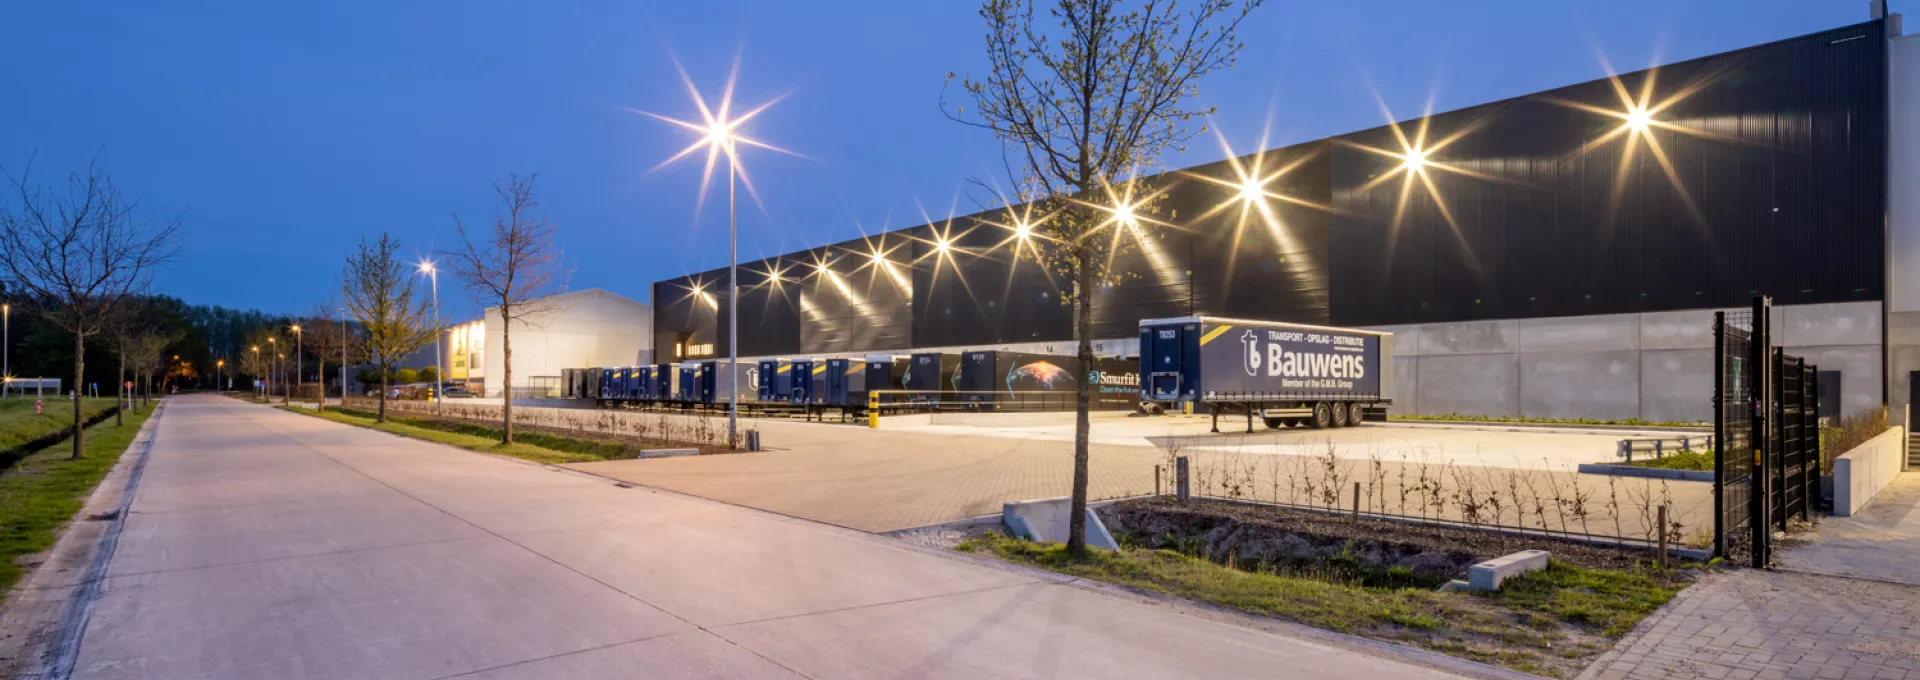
(1288, 374)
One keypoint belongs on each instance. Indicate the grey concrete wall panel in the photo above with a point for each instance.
(1406, 339)
(1676, 385)
(1686, 329)
(1469, 384)
(1859, 372)
(1580, 333)
(1406, 382)
(1603, 385)
(1837, 323)
(1903, 173)
(1902, 361)
(1470, 337)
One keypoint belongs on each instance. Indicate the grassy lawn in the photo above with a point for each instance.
(473, 438)
(41, 493)
(19, 424)
(1547, 623)
(1682, 460)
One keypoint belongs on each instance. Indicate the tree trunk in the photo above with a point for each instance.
(506, 383)
(79, 387)
(1083, 330)
(120, 394)
(382, 416)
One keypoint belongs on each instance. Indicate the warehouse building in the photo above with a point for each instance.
(1558, 254)
(577, 329)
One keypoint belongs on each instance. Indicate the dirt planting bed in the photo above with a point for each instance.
(1288, 539)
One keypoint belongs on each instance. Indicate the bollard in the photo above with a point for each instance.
(1662, 554)
(1356, 500)
(1181, 489)
(873, 410)
(1659, 449)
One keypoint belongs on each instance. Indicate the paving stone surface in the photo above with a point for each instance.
(1858, 617)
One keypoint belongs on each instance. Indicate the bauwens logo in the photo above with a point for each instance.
(1250, 342)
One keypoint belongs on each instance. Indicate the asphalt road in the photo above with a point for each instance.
(265, 544)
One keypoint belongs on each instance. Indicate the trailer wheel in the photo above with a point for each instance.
(1356, 414)
(1275, 423)
(1339, 414)
(1322, 416)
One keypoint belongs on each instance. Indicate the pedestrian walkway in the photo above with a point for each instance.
(266, 544)
(1844, 603)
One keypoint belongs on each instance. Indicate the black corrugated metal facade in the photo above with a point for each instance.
(1761, 170)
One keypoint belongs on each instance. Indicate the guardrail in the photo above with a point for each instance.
(1659, 447)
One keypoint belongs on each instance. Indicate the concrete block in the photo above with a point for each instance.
(1685, 329)
(666, 453)
(1488, 575)
(1470, 337)
(1580, 333)
(1646, 472)
(1604, 385)
(1840, 323)
(1676, 385)
(1046, 520)
(1859, 368)
(1469, 384)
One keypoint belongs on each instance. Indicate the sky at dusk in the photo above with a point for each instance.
(283, 133)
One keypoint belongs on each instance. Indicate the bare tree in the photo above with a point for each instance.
(149, 356)
(328, 339)
(79, 254)
(512, 268)
(1084, 100)
(380, 295)
(257, 359)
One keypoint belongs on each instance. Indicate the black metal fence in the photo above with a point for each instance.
(1767, 434)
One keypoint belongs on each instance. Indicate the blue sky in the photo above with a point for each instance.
(282, 133)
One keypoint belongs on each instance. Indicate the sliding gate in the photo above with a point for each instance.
(1766, 467)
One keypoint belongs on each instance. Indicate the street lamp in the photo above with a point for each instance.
(343, 360)
(718, 136)
(6, 338)
(297, 342)
(438, 385)
(256, 359)
(219, 371)
(273, 345)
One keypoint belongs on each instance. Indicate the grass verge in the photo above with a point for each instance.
(1680, 460)
(19, 424)
(1549, 623)
(470, 437)
(41, 493)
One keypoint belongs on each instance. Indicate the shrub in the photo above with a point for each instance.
(1849, 431)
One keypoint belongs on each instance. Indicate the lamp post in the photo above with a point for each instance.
(256, 359)
(438, 386)
(343, 359)
(718, 136)
(219, 371)
(6, 351)
(273, 345)
(297, 343)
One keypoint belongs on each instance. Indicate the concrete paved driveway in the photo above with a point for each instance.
(264, 544)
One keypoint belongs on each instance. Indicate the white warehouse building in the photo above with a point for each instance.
(577, 329)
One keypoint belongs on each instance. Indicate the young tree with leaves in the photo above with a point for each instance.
(78, 255)
(379, 292)
(511, 268)
(1085, 97)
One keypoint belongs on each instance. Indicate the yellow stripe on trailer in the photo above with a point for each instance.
(1204, 339)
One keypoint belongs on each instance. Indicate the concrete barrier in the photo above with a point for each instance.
(1860, 474)
(1652, 473)
(1487, 576)
(1046, 520)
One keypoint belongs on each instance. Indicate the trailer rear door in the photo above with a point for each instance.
(1165, 349)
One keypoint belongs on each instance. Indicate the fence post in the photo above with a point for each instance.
(1156, 481)
(1659, 449)
(1356, 500)
(1662, 530)
(1181, 488)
